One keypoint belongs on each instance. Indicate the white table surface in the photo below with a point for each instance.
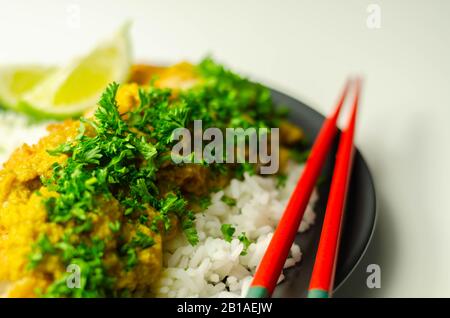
(306, 48)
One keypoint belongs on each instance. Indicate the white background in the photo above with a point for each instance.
(306, 48)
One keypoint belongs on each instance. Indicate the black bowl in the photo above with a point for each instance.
(360, 213)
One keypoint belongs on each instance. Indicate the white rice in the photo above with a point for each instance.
(214, 267)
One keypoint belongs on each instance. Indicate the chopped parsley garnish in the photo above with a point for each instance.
(281, 180)
(244, 168)
(204, 202)
(141, 241)
(114, 226)
(188, 226)
(40, 247)
(245, 241)
(228, 200)
(227, 231)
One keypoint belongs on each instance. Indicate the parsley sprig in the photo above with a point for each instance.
(228, 231)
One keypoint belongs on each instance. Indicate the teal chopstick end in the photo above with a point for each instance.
(318, 293)
(257, 292)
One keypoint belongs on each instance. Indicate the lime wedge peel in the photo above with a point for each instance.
(75, 88)
(15, 80)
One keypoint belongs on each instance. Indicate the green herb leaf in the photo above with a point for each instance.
(204, 202)
(281, 180)
(244, 240)
(228, 200)
(142, 240)
(227, 231)
(114, 226)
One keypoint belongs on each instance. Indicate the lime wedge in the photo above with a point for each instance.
(71, 90)
(15, 80)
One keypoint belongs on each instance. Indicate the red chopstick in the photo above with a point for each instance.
(322, 279)
(271, 265)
